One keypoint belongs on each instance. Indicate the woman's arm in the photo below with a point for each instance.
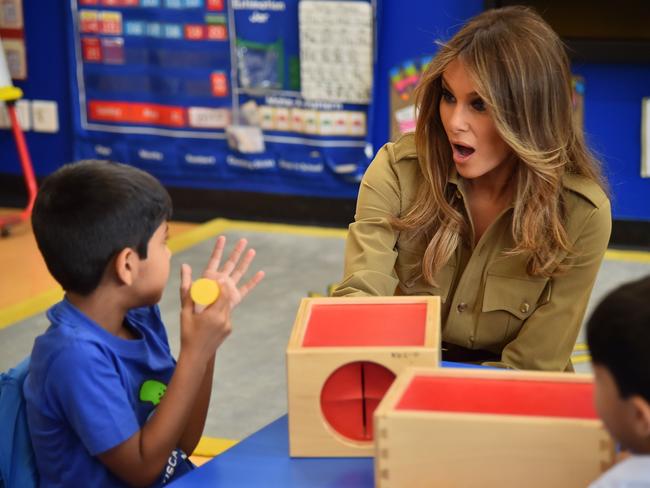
(370, 252)
(547, 338)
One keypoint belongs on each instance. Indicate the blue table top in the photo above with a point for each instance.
(263, 460)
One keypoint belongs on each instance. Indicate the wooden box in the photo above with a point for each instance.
(342, 356)
(469, 427)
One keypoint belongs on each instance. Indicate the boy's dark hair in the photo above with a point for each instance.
(618, 334)
(87, 212)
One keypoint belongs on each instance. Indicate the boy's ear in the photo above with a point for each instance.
(125, 265)
(641, 415)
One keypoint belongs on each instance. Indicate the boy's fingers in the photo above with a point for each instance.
(225, 293)
(243, 266)
(229, 265)
(217, 253)
(186, 283)
(252, 283)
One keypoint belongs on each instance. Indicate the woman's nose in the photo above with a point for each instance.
(458, 119)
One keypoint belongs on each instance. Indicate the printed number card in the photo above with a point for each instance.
(336, 46)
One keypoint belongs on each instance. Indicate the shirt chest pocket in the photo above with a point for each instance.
(408, 268)
(507, 303)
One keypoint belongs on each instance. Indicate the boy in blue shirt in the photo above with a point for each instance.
(107, 404)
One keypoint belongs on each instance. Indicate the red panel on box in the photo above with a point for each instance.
(496, 396)
(352, 324)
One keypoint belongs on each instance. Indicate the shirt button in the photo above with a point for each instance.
(462, 306)
(459, 195)
(525, 307)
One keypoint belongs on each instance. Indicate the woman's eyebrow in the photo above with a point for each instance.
(445, 85)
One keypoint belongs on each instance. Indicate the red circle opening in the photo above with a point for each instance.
(350, 396)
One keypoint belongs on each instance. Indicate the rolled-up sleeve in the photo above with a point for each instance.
(370, 252)
(547, 338)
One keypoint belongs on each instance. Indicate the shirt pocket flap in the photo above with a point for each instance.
(517, 296)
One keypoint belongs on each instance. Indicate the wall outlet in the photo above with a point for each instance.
(45, 116)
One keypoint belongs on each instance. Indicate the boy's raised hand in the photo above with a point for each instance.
(232, 270)
(203, 332)
(208, 329)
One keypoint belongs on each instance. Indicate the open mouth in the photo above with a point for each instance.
(463, 151)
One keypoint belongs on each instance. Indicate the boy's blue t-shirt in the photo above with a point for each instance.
(88, 391)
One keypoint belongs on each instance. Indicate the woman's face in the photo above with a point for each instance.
(477, 147)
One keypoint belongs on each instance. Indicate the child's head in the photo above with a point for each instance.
(87, 213)
(618, 334)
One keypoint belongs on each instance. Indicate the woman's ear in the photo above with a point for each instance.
(126, 266)
(641, 415)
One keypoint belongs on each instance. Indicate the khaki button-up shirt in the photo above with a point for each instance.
(488, 299)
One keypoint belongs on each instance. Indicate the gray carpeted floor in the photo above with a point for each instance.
(250, 379)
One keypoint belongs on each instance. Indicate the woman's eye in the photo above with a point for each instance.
(446, 96)
(479, 105)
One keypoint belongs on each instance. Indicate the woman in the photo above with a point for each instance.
(495, 203)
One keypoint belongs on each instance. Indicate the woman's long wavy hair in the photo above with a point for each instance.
(521, 71)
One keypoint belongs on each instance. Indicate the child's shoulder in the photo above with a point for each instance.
(633, 471)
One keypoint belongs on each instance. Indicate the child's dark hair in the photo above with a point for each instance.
(618, 334)
(87, 212)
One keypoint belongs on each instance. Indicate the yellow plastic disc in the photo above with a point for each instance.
(204, 291)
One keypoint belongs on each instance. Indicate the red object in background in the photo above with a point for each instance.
(344, 325)
(91, 49)
(88, 24)
(136, 113)
(28, 173)
(215, 5)
(219, 84)
(88, 2)
(120, 3)
(499, 396)
(194, 32)
(350, 396)
(110, 24)
(217, 32)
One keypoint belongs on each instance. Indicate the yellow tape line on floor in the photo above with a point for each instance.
(25, 309)
(629, 256)
(211, 446)
(41, 302)
(32, 306)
